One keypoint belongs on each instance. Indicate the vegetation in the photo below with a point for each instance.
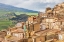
(20, 18)
(9, 19)
(10, 15)
(5, 24)
(27, 13)
(5, 21)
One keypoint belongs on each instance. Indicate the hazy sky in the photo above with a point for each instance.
(38, 5)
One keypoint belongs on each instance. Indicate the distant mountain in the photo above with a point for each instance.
(9, 8)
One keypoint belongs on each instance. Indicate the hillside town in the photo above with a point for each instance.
(46, 27)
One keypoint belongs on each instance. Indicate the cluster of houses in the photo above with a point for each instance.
(46, 27)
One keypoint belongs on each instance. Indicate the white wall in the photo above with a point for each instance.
(19, 35)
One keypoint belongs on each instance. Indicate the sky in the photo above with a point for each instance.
(38, 5)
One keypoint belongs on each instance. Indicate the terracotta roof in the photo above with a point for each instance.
(1, 39)
(60, 41)
(19, 30)
(13, 38)
(47, 31)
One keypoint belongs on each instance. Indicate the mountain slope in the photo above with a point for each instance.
(9, 8)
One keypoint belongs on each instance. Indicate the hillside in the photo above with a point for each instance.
(9, 8)
(10, 15)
